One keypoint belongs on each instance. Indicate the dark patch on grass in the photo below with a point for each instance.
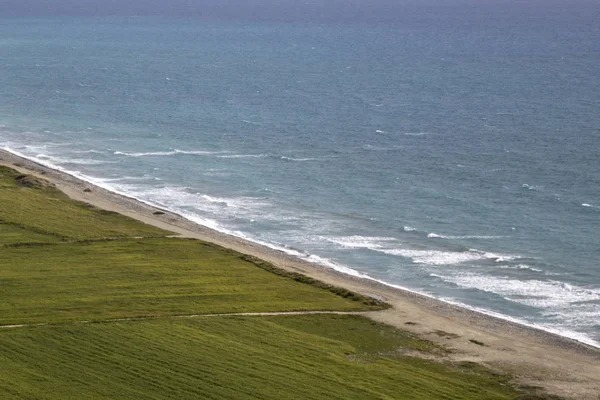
(477, 342)
(31, 181)
(447, 335)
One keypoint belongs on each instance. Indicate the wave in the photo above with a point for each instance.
(88, 152)
(417, 133)
(436, 236)
(129, 178)
(521, 266)
(298, 159)
(587, 205)
(237, 202)
(387, 245)
(407, 228)
(581, 314)
(361, 242)
(244, 156)
(273, 156)
(531, 187)
(166, 153)
(439, 257)
(79, 161)
(533, 293)
(370, 147)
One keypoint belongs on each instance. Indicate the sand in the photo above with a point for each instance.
(559, 365)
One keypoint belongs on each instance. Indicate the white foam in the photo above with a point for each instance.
(61, 160)
(417, 133)
(361, 242)
(244, 156)
(450, 237)
(407, 228)
(434, 235)
(437, 257)
(88, 151)
(370, 147)
(165, 153)
(129, 178)
(582, 314)
(297, 159)
(521, 266)
(237, 202)
(534, 293)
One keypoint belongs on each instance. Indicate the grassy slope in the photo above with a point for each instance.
(229, 358)
(149, 277)
(46, 211)
(70, 280)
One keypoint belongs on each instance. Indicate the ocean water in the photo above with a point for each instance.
(455, 153)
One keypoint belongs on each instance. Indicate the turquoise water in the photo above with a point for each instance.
(455, 154)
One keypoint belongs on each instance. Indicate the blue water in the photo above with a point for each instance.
(453, 153)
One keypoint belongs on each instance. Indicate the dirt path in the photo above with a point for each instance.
(148, 318)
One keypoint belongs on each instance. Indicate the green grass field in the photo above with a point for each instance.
(143, 277)
(64, 264)
(230, 358)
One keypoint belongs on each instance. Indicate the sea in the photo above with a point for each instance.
(450, 148)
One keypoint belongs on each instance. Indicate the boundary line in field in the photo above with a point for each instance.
(145, 318)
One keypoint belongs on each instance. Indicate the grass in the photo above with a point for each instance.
(230, 358)
(144, 277)
(34, 206)
(13, 234)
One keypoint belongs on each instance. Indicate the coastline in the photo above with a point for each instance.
(562, 366)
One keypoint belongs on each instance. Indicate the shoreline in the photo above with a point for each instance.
(536, 357)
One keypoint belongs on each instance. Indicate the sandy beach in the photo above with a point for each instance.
(537, 358)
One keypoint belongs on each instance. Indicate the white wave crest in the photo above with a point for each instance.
(165, 153)
(361, 242)
(407, 228)
(88, 152)
(450, 237)
(244, 156)
(521, 266)
(79, 161)
(438, 257)
(297, 159)
(534, 293)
